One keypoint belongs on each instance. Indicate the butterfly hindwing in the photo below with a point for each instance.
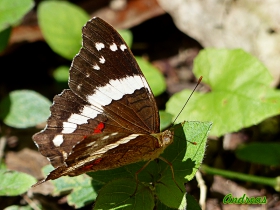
(107, 151)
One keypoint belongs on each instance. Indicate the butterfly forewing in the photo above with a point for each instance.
(108, 94)
(111, 73)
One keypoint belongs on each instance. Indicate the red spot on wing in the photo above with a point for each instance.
(99, 128)
(89, 167)
(97, 161)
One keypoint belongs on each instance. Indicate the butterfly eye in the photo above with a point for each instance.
(167, 137)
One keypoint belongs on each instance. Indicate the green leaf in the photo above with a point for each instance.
(192, 203)
(188, 202)
(15, 207)
(61, 74)
(186, 158)
(127, 36)
(12, 11)
(3, 165)
(117, 195)
(153, 76)
(104, 176)
(4, 38)
(24, 108)
(83, 190)
(260, 153)
(84, 194)
(61, 23)
(165, 119)
(13, 183)
(161, 206)
(240, 95)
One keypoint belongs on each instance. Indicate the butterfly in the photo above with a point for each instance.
(108, 118)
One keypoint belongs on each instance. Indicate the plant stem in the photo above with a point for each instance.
(273, 182)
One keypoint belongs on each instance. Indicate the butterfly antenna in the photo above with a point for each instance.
(198, 82)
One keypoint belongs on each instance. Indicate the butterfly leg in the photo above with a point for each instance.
(172, 171)
(136, 176)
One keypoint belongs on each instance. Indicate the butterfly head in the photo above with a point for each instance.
(164, 138)
(167, 137)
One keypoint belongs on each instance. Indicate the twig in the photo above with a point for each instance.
(3, 141)
(30, 202)
(203, 190)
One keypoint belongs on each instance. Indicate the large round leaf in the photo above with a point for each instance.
(61, 23)
(24, 108)
(12, 11)
(240, 94)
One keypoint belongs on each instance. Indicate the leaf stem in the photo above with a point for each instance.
(273, 182)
